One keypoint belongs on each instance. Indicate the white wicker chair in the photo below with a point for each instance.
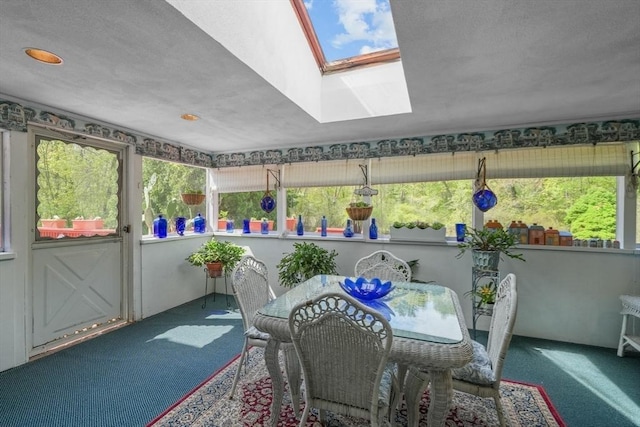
(250, 284)
(383, 265)
(481, 377)
(343, 348)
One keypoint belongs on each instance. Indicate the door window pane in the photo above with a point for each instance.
(77, 190)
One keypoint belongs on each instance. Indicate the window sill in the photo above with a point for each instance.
(5, 256)
(146, 240)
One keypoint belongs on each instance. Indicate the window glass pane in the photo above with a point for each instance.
(246, 205)
(447, 202)
(166, 186)
(78, 187)
(584, 206)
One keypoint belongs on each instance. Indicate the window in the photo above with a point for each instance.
(164, 184)
(584, 206)
(77, 190)
(246, 205)
(346, 34)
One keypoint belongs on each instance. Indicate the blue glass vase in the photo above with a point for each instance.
(230, 226)
(373, 230)
(160, 227)
(264, 227)
(246, 226)
(181, 223)
(348, 230)
(199, 224)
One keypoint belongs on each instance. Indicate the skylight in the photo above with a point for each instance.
(344, 34)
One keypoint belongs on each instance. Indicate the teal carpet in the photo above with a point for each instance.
(129, 376)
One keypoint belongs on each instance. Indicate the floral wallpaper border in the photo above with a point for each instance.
(14, 116)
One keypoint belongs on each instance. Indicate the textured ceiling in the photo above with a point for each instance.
(469, 66)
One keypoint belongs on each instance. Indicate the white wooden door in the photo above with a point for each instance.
(77, 274)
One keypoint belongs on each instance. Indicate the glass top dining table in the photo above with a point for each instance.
(429, 332)
(421, 311)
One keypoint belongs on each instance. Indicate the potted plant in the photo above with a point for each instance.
(218, 256)
(359, 211)
(306, 260)
(485, 295)
(487, 244)
(192, 197)
(418, 231)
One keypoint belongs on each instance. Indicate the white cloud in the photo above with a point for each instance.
(367, 21)
(308, 4)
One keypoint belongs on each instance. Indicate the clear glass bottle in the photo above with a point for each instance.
(323, 226)
(373, 230)
(300, 226)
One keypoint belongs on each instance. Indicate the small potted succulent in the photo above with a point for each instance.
(418, 231)
(218, 256)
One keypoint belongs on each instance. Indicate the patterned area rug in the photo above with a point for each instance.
(209, 405)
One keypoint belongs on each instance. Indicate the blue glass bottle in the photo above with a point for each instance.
(246, 226)
(160, 227)
(323, 226)
(373, 230)
(199, 224)
(264, 227)
(181, 223)
(230, 226)
(300, 226)
(348, 230)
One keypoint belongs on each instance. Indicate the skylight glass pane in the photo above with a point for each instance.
(350, 28)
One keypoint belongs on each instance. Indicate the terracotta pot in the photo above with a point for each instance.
(222, 224)
(255, 226)
(214, 269)
(87, 224)
(54, 223)
(291, 224)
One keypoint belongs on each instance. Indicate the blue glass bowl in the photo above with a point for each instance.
(365, 289)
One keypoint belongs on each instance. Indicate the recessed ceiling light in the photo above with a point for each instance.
(43, 56)
(190, 117)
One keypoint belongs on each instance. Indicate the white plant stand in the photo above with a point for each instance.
(630, 306)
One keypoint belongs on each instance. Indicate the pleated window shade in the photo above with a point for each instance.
(584, 160)
(241, 179)
(323, 174)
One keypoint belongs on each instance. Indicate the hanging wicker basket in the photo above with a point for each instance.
(359, 214)
(192, 199)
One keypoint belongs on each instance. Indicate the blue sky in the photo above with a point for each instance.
(347, 28)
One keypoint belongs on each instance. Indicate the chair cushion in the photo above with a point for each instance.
(254, 333)
(386, 383)
(478, 371)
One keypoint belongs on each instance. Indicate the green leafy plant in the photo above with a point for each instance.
(359, 205)
(418, 224)
(306, 260)
(485, 294)
(490, 240)
(228, 253)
